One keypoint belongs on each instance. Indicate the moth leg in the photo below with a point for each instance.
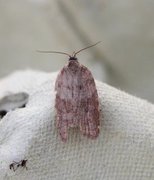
(93, 128)
(83, 125)
(63, 133)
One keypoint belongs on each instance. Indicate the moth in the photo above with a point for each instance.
(15, 165)
(76, 103)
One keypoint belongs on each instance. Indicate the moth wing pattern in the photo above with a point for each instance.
(89, 105)
(77, 102)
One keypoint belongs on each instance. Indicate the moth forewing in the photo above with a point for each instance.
(76, 101)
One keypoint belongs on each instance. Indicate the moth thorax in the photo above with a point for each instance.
(73, 66)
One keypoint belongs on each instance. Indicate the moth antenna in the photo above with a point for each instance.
(86, 48)
(73, 54)
(57, 52)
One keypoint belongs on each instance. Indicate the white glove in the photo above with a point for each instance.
(124, 149)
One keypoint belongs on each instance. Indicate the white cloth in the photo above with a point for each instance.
(124, 149)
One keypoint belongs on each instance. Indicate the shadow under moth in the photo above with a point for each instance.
(76, 101)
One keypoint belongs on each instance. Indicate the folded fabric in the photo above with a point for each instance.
(124, 149)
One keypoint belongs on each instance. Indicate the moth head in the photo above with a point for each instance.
(71, 57)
